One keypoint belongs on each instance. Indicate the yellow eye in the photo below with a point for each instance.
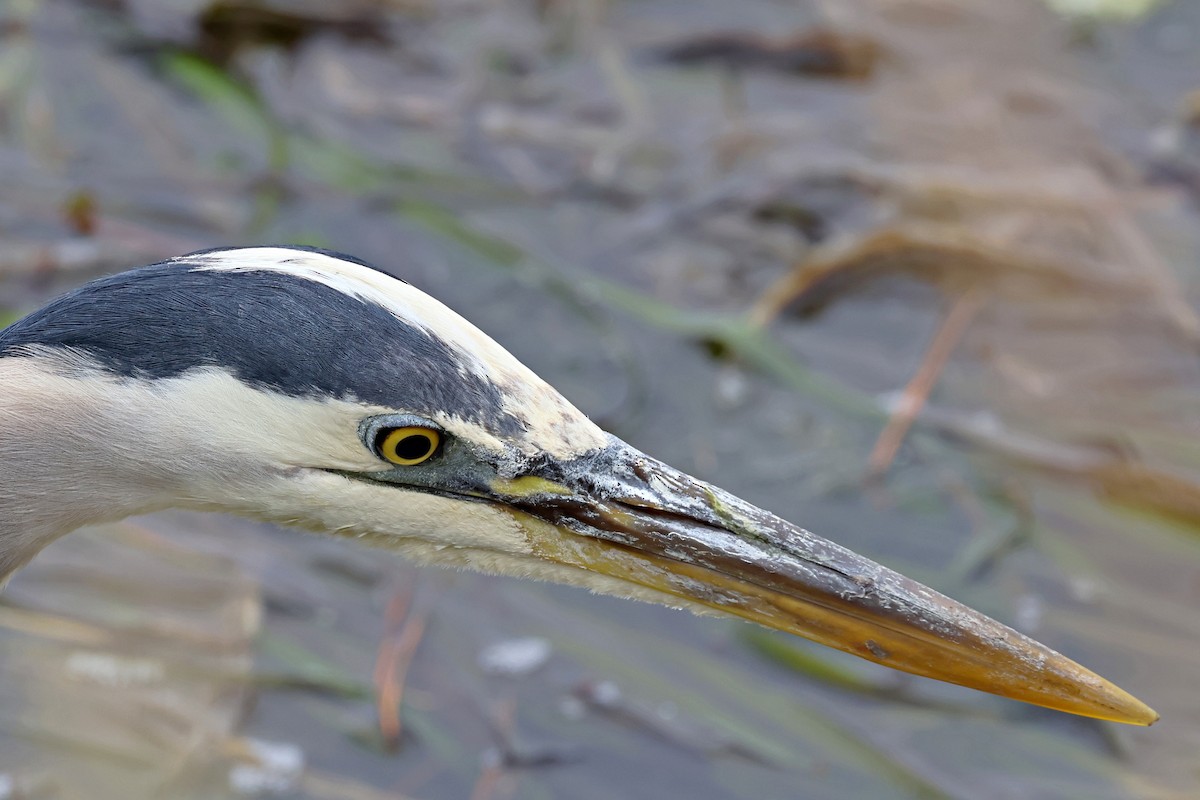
(408, 446)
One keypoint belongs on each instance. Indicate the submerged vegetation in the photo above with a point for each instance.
(905, 282)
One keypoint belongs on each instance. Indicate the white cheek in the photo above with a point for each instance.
(428, 529)
(385, 514)
(210, 411)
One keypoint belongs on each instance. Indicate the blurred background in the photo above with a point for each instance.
(919, 275)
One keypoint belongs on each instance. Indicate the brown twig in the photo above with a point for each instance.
(396, 650)
(916, 393)
(489, 780)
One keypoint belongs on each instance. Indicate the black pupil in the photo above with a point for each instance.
(414, 446)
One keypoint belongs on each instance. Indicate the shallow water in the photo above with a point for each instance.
(613, 219)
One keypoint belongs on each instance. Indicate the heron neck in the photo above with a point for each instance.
(63, 459)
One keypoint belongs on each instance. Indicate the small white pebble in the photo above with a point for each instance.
(1085, 590)
(113, 671)
(1028, 613)
(569, 706)
(1165, 140)
(277, 770)
(515, 657)
(606, 693)
(732, 387)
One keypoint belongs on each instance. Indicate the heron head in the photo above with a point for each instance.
(310, 389)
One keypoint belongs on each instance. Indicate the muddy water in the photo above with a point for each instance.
(614, 218)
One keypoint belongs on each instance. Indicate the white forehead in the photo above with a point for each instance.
(552, 423)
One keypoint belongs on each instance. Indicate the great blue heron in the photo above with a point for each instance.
(306, 388)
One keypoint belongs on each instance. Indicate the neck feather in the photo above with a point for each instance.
(79, 446)
(61, 466)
